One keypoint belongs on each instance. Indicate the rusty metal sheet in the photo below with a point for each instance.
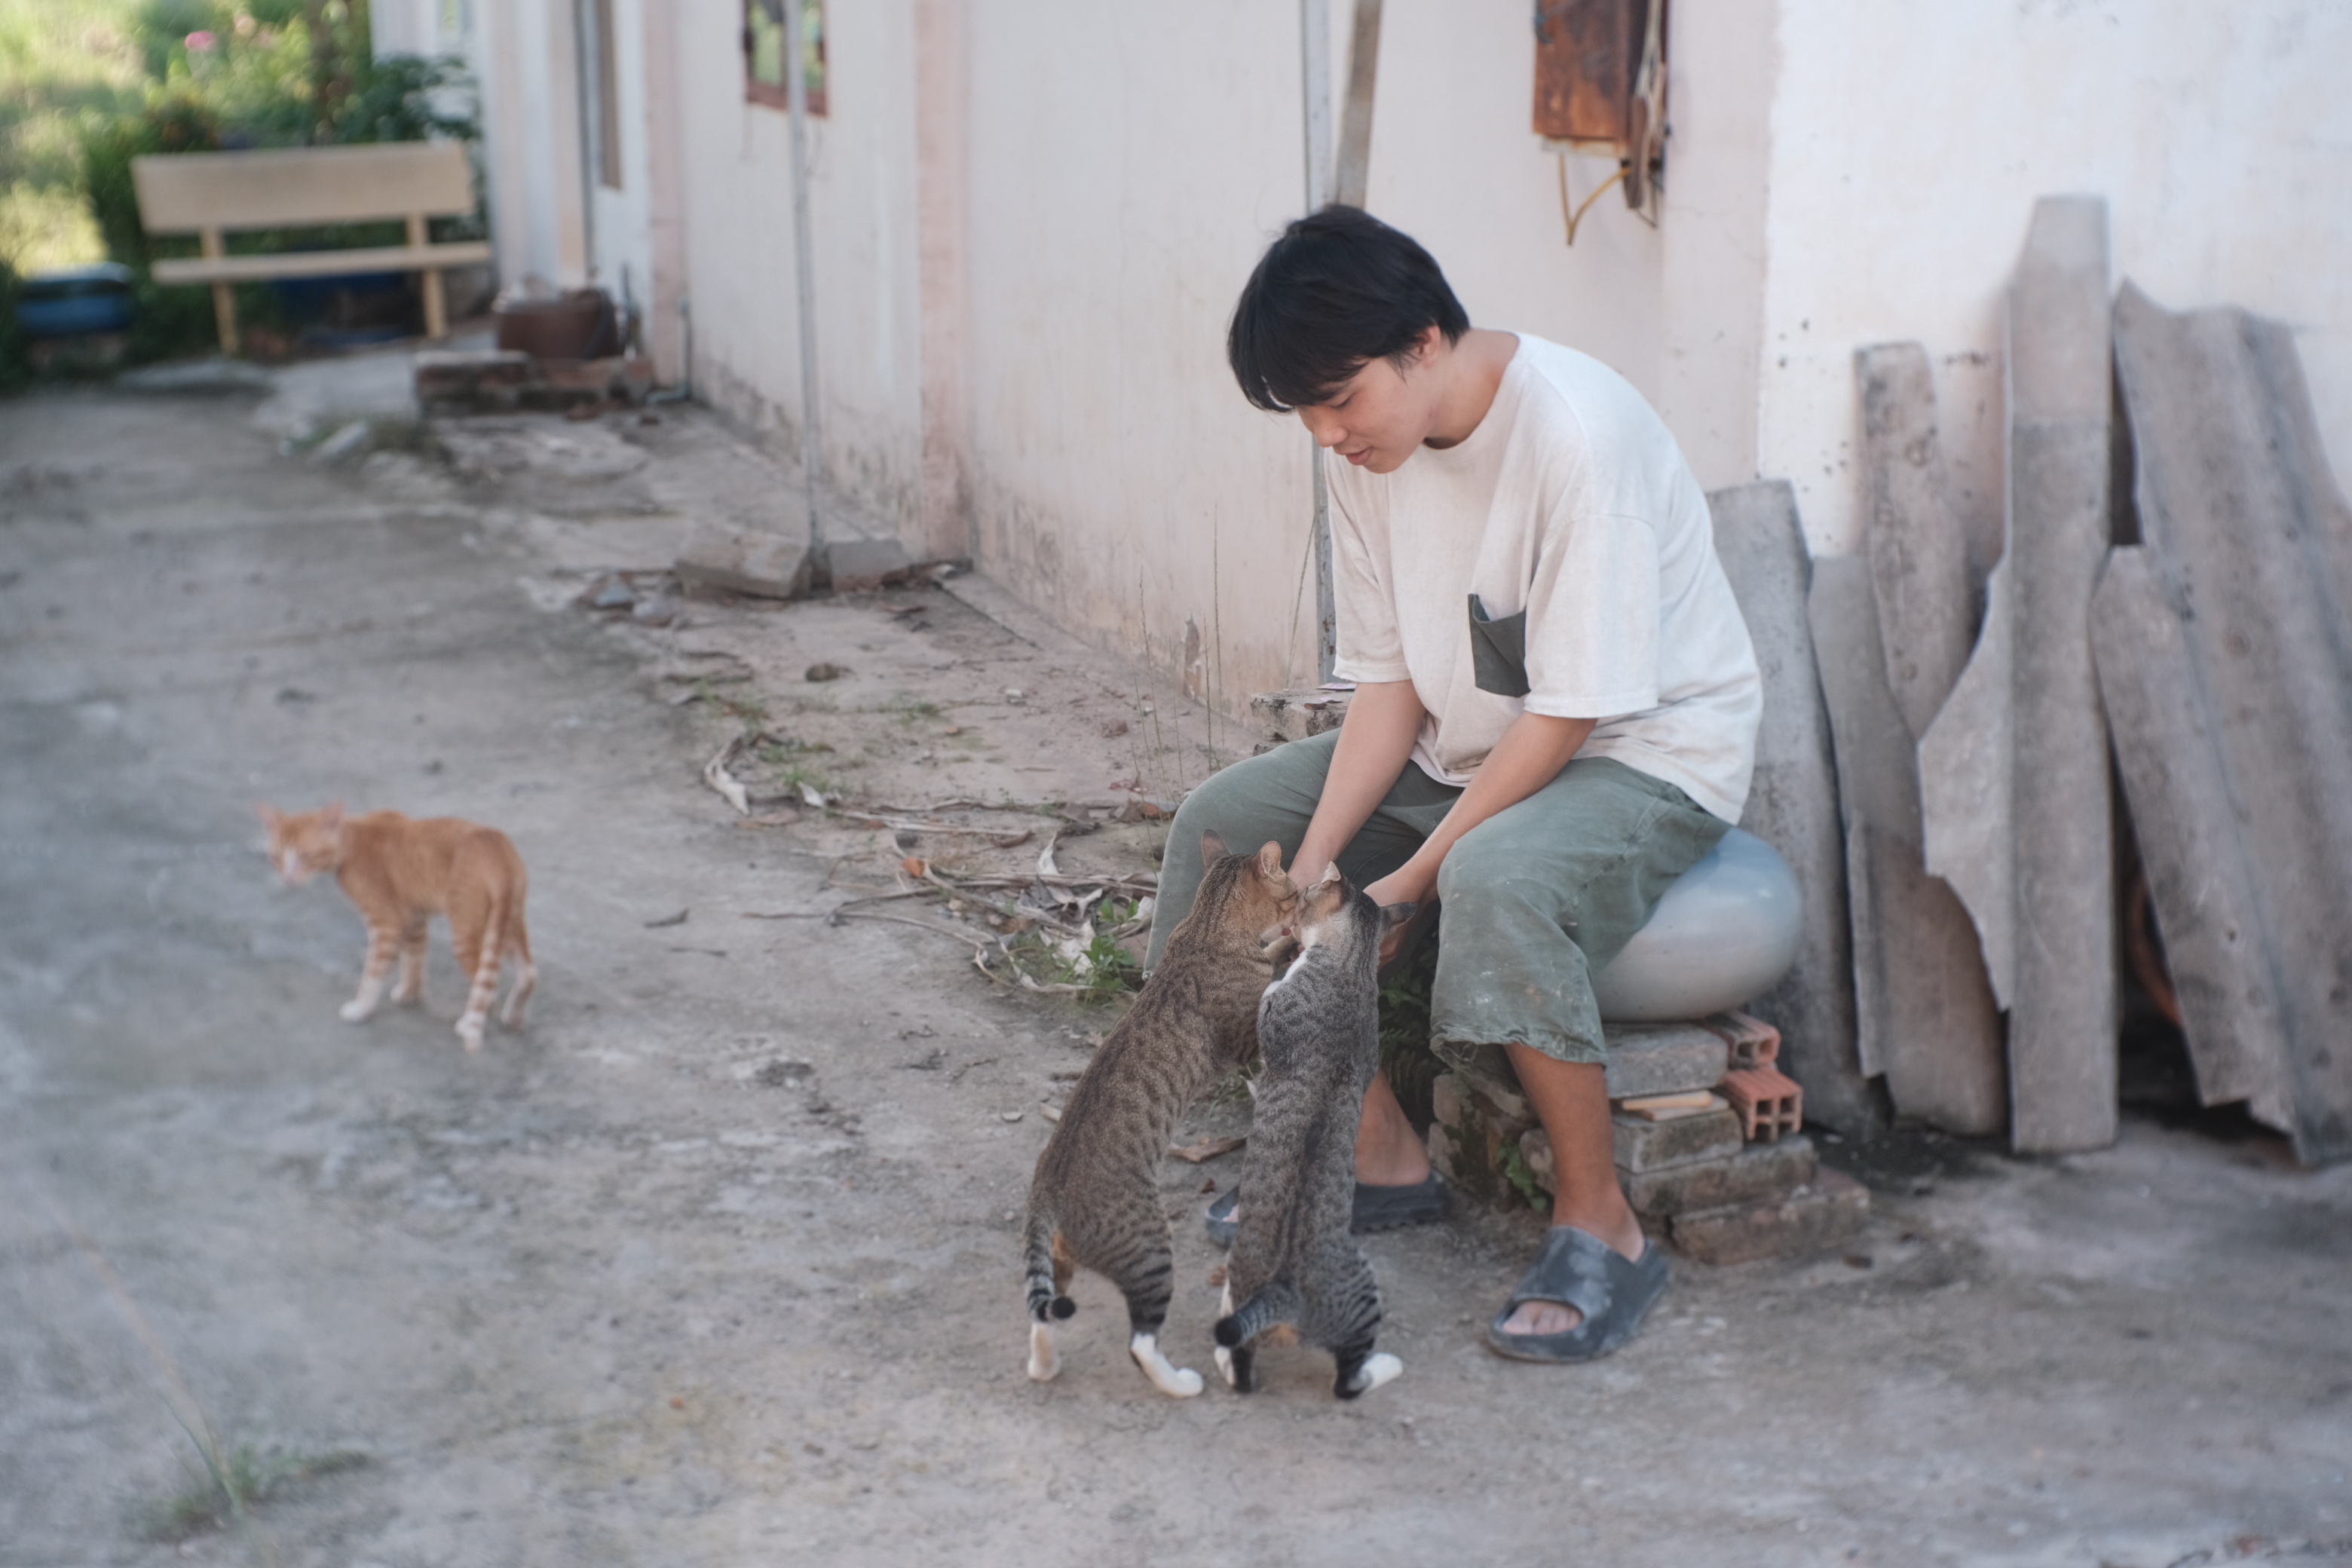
(1587, 54)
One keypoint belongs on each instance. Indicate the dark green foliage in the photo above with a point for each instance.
(1406, 1060)
(15, 370)
(267, 86)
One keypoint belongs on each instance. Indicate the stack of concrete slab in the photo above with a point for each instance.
(2226, 663)
(2013, 764)
(1706, 1137)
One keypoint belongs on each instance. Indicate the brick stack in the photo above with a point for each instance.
(1708, 1137)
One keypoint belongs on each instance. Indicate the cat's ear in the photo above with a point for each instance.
(1269, 861)
(1212, 848)
(331, 819)
(1395, 915)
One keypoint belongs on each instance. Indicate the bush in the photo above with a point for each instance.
(226, 76)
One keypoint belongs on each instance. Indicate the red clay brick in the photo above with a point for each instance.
(1769, 1102)
(1753, 1042)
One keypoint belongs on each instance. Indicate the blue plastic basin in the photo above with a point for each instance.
(76, 301)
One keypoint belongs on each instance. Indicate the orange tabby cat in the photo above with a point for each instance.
(402, 873)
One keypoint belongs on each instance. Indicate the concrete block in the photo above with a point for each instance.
(1294, 715)
(1826, 1211)
(1475, 1135)
(1924, 1009)
(1642, 1145)
(1749, 1042)
(1758, 1173)
(1768, 1101)
(862, 565)
(2243, 520)
(1792, 800)
(765, 565)
(1917, 547)
(1663, 1058)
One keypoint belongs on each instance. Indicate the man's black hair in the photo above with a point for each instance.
(1337, 291)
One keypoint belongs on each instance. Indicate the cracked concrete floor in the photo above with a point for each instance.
(707, 1268)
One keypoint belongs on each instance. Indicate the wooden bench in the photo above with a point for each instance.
(211, 194)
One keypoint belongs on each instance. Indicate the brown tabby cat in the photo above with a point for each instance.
(1095, 1197)
(402, 873)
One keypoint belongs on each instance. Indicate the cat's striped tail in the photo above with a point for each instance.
(1045, 1298)
(1278, 1301)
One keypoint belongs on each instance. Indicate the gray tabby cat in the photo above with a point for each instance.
(1095, 1200)
(1293, 1261)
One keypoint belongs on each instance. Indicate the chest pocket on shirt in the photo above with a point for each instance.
(1498, 651)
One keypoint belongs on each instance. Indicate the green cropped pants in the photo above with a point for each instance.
(1533, 900)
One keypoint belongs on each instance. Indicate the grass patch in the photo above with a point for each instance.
(909, 709)
(232, 1482)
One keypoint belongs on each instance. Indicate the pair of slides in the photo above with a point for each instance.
(1575, 1269)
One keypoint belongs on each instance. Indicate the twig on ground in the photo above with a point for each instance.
(730, 788)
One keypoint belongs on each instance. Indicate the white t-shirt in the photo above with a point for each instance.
(1571, 501)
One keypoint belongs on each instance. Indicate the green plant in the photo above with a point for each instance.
(1406, 1060)
(908, 709)
(1515, 1168)
(233, 1482)
(15, 370)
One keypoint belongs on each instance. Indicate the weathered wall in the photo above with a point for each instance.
(1909, 143)
(737, 244)
(1127, 165)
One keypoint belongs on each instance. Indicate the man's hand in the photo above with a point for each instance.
(1402, 886)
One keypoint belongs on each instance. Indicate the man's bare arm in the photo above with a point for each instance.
(1375, 742)
(1528, 756)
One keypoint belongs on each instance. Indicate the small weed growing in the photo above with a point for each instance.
(233, 1482)
(746, 708)
(908, 709)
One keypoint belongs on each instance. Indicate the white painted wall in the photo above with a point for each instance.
(1046, 350)
(620, 227)
(1909, 142)
(738, 246)
(523, 59)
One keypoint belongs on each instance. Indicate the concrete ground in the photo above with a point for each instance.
(716, 1262)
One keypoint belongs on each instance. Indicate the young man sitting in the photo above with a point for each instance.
(1555, 711)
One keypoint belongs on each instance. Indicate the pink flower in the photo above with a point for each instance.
(200, 42)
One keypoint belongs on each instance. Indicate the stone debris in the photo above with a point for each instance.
(863, 565)
(763, 565)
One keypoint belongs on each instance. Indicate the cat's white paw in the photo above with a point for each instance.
(356, 1011)
(469, 1029)
(1379, 1368)
(1178, 1381)
(1044, 1364)
(1226, 1365)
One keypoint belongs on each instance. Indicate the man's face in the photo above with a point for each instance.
(1380, 416)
